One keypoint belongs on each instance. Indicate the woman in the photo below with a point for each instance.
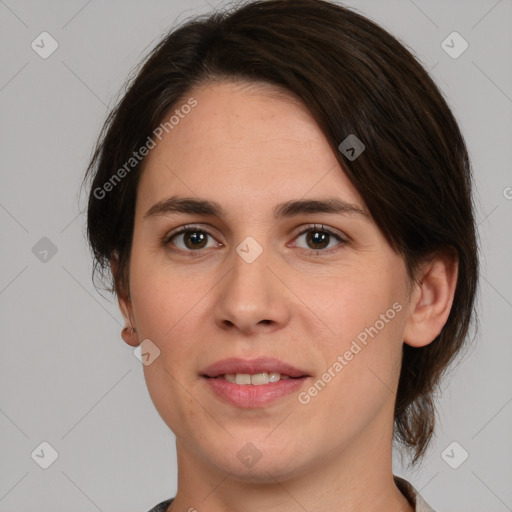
(283, 199)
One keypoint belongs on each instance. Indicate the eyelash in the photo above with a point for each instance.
(192, 228)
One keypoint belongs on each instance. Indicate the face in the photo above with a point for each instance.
(316, 296)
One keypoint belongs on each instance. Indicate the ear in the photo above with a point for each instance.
(432, 298)
(125, 306)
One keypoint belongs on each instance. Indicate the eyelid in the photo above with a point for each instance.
(322, 227)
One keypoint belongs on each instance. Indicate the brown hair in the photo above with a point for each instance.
(355, 78)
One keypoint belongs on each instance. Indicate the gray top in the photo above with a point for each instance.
(412, 495)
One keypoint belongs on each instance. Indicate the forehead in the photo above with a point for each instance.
(244, 140)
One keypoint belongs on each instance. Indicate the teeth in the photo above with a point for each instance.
(242, 378)
(257, 379)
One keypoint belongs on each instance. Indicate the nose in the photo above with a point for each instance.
(252, 298)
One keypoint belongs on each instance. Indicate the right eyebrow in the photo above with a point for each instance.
(179, 204)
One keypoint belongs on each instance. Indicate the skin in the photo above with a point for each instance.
(249, 147)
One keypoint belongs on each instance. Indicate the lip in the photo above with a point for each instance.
(258, 365)
(250, 396)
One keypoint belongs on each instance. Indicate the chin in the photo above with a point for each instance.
(262, 465)
(262, 473)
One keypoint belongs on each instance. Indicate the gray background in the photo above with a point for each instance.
(66, 376)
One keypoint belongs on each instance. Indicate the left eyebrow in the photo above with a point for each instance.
(332, 205)
(194, 206)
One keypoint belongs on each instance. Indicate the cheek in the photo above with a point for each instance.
(350, 304)
(171, 309)
(160, 296)
(359, 378)
(165, 310)
(365, 315)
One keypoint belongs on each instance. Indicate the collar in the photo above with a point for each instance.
(412, 495)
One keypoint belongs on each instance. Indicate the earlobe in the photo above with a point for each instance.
(432, 299)
(130, 336)
(129, 333)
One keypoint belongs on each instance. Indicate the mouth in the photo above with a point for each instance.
(264, 369)
(255, 379)
(253, 383)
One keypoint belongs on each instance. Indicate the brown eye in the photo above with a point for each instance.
(188, 239)
(194, 239)
(319, 238)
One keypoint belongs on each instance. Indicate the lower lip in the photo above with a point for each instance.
(250, 396)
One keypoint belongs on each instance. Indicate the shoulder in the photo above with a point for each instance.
(412, 495)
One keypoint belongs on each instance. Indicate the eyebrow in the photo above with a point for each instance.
(192, 205)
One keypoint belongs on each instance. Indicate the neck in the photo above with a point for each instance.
(357, 477)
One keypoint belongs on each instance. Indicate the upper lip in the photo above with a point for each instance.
(252, 366)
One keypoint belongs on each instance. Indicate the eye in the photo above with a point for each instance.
(318, 238)
(189, 238)
(193, 238)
